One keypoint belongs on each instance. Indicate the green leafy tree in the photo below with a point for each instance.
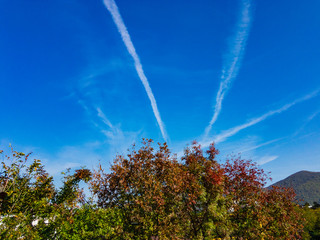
(27, 190)
(312, 225)
(203, 200)
(31, 208)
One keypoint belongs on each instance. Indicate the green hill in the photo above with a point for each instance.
(306, 185)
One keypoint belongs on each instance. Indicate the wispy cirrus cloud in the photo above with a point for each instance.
(311, 117)
(114, 134)
(266, 159)
(232, 131)
(114, 11)
(308, 120)
(104, 118)
(232, 60)
(116, 138)
(260, 145)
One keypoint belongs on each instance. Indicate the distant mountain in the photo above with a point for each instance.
(306, 185)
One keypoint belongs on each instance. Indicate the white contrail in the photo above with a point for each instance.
(113, 9)
(232, 60)
(232, 131)
(266, 159)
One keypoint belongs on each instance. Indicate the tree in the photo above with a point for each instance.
(25, 188)
(256, 212)
(31, 208)
(195, 198)
(146, 188)
(281, 216)
(243, 191)
(203, 200)
(312, 225)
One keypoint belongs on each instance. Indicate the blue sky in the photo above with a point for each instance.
(83, 80)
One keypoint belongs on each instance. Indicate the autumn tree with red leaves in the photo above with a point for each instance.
(194, 198)
(256, 212)
(244, 191)
(281, 219)
(146, 187)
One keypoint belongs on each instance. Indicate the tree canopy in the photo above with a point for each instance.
(147, 194)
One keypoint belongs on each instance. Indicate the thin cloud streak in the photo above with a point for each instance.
(309, 119)
(104, 118)
(114, 134)
(266, 159)
(114, 11)
(261, 145)
(230, 132)
(313, 115)
(232, 61)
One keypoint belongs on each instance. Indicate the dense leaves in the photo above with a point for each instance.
(31, 208)
(146, 188)
(312, 215)
(195, 198)
(150, 194)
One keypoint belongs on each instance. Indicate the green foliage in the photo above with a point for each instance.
(87, 222)
(312, 226)
(202, 194)
(33, 209)
(26, 188)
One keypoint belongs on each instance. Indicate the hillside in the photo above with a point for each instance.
(306, 185)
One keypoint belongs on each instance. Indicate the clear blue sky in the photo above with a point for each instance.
(77, 79)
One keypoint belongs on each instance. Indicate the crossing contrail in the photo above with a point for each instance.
(232, 131)
(114, 11)
(232, 60)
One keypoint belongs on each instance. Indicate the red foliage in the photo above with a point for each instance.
(196, 197)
